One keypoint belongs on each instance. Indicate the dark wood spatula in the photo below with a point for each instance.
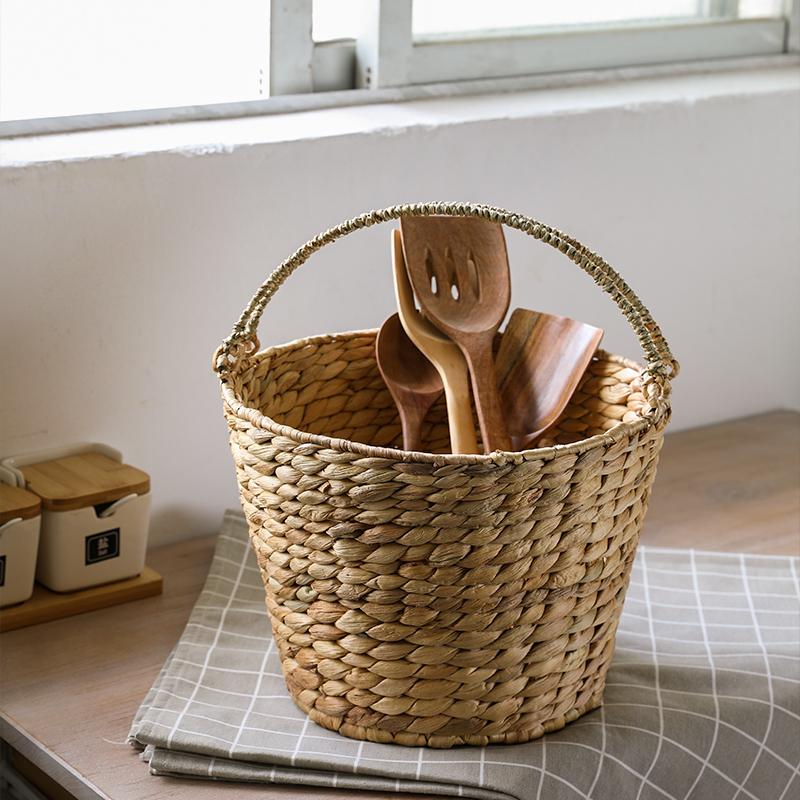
(458, 268)
(540, 361)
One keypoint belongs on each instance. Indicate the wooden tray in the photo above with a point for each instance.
(44, 605)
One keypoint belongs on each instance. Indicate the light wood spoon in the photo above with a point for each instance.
(412, 380)
(539, 364)
(443, 353)
(458, 269)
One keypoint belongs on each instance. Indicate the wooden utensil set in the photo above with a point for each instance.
(456, 270)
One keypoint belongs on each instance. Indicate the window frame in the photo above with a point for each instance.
(386, 63)
(390, 56)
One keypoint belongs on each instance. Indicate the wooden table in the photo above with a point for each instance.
(71, 687)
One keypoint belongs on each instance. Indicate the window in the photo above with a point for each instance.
(80, 63)
(64, 57)
(431, 41)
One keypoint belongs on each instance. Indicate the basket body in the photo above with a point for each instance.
(429, 598)
(425, 603)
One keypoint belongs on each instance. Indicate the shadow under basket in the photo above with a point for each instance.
(428, 598)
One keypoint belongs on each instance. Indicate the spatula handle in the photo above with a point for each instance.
(459, 410)
(487, 397)
(413, 408)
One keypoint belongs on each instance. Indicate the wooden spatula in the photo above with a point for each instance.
(458, 268)
(540, 361)
(442, 353)
(412, 380)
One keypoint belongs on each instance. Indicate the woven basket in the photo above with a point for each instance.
(428, 598)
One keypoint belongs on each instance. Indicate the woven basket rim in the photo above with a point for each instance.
(264, 422)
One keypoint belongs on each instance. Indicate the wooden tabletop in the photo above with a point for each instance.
(71, 687)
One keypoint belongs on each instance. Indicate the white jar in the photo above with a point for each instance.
(19, 542)
(81, 548)
(95, 514)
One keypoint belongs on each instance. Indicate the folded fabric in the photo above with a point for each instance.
(702, 699)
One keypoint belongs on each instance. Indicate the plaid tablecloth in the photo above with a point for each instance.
(702, 700)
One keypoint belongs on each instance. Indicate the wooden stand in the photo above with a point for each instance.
(44, 605)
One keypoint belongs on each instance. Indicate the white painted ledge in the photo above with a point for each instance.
(628, 91)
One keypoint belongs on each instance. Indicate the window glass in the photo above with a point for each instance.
(335, 19)
(455, 16)
(761, 8)
(63, 57)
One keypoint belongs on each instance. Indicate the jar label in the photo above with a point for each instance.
(102, 546)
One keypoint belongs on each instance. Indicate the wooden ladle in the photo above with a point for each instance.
(441, 352)
(412, 380)
(458, 268)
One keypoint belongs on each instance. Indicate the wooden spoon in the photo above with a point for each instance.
(442, 353)
(412, 380)
(458, 268)
(539, 364)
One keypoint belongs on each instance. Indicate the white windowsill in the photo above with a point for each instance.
(631, 89)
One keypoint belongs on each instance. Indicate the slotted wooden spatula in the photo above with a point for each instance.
(458, 268)
(539, 364)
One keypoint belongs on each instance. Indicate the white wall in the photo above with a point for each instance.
(121, 274)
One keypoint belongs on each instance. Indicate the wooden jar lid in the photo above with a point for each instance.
(16, 502)
(82, 480)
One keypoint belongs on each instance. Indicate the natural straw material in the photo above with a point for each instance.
(428, 598)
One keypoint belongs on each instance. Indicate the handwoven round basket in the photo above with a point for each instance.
(424, 598)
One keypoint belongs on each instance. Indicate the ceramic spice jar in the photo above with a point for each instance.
(95, 514)
(19, 543)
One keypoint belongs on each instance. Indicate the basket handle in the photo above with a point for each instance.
(661, 364)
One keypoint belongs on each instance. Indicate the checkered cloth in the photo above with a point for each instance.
(702, 697)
